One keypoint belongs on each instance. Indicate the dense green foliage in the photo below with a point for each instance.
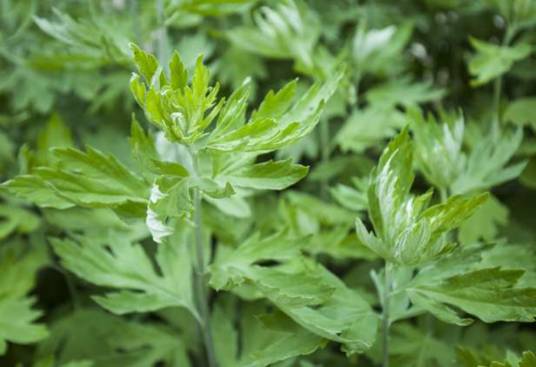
(250, 183)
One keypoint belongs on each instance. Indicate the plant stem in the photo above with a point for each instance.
(387, 284)
(325, 153)
(200, 281)
(201, 291)
(497, 85)
(161, 45)
(443, 194)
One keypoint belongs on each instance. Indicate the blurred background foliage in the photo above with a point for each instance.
(64, 72)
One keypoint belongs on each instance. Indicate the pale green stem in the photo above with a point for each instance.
(201, 290)
(200, 281)
(443, 194)
(387, 285)
(325, 152)
(497, 86)
(135, 14)
(161, 46)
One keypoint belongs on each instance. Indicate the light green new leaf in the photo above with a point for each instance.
(491, 61)
(277, 123)
(169, 203)
(489, 294)
(381, 51)
(193, 114)
(290, 31)
(406, 232)
(124, 266)
(438, 147)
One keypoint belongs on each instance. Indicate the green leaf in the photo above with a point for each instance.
(352, 197)
(91, 179)
(318, 210)
(403, 92)
(489, 294)
(368, 127)
(146, 63)
(304, 291)
(266, 338)
(231, 266)
(275, 338)
(345, 317)
(17, 317)
(95, 335)
(528, 360)
(16, 220)
(521, 112)
(17, 322)
(487, 163)
(275, 104)
(119, 264)
(485, 222)
(269, 175)
(491, 61)
(55, 134)
(411, 346)
(90, 42)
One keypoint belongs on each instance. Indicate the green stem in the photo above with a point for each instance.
(387, 285)
(200, 283)
(135, 14)
(443, 194)
(161, 45)
(497, 85)
(325, 152)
